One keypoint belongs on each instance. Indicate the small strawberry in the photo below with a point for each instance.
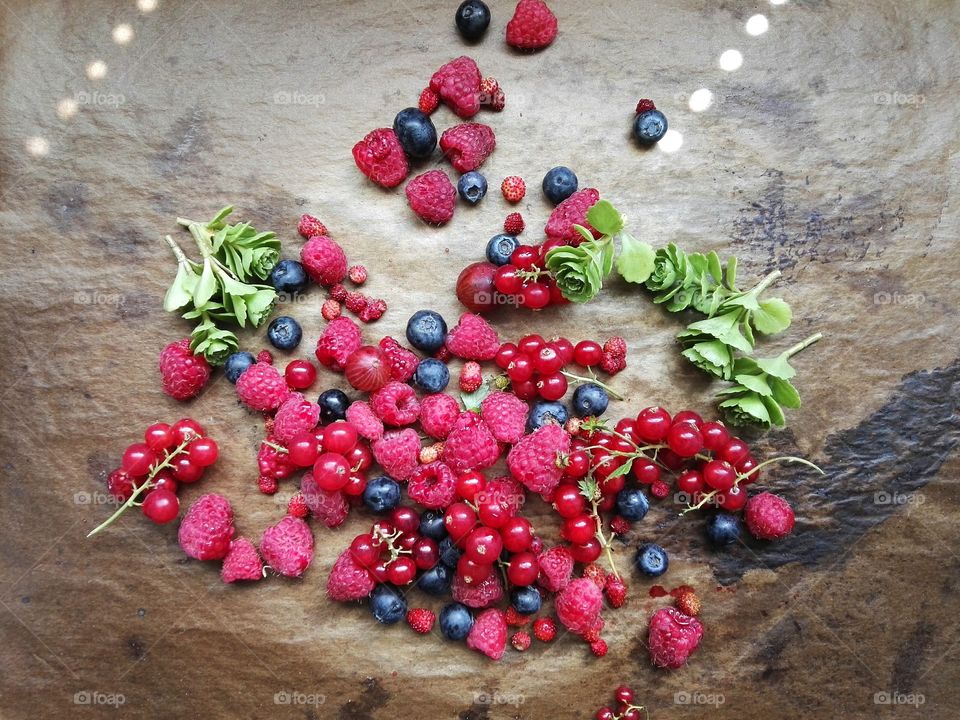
(373, 311)
(421, 620)
(330, 310)
(620, 525)
(533, 26)
(544, 629)
(338, 292)
(381, 158)
(297, 506)
(489, 87)
(515, 619)
(431, 453)
(645, 105)
(513, 188)
(265, 356)
(520, 640)
(184, 374)
(267, 484)
(514, 224)
(309, 227)
(616, 591)
(429, 101)
(596, 574)
(471, 377)
(489, 634)
(599, 647)
(659, 489)
(357, 274)
(356, 302)
(432, 197)
(687, 602)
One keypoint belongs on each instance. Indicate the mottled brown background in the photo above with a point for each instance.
(832, 154)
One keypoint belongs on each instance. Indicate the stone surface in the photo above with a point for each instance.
(831, 154)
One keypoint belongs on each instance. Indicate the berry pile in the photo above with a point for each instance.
(625, 707)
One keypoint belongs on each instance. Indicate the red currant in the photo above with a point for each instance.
(505, 355)
(744, 467)
(303, 450)
(426, 553)
(525, 257)
(645, 471)
(684, 439)
(589, 551)
(578, 464)
(624, 695)
(186, 470)
(579, 529)
(300, 374)
(521, 369)
(186, 428)
(159, 437)
(471, 483)
(526, 390)
(493, 513)
(569, 502)
(365, 550)
(669, 459)
(161, 506)
(605, 713)
(690, 482)
(719, 475)
(405, 519)
(653, 423)
(402, 571)
(564, 349)
(734, 451)
(355, 486)
(359, 457)
(688, 416)
(164, 480)
(472, 573)
(536, 295)
(137, 459)
(379, 571)
(459, 520)
(547, 361)
(506, 280)
(483, 545)
(734, 498)
(611, 485)
(517, 534)
(556, 294)
(715, 435)
(530, 345)
(339, 437)
(628, 428)
(552, 387)
(587, 353)
(203, 451)
(523, 570)
(331, 471)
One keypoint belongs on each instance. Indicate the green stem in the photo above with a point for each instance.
(178, 253)
(764, 284)
(604, 542)
(784, 458)
(581, 379)
(816, 337)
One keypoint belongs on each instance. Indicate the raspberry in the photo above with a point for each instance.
(356, 302)
(471, 377)
(331, 309)
(429, 101)
(309, 227)
(273, 463)
(612, 364)
(672, 637)
(349, 580)
(458, 84)
(620, 525)
(207, 528)
(659, 489)
(532, 27)
(365, 421)
(438, 413)
(513, 188)
(373, 311)
(484, 594)
(357, 274)
(265, 356)
(296, 415)
(544, 629)
(287, 547)
(688, 603)
(515, 619)
(768, 516)
(616, 346)
(381, 158)
(324, 260)
(520, 640)
(473, 339)
(267, 484)
(430, 453)
(397, 452)
(330, 508)
(470, 446)
(514, 224)
(599, 647)
(396, 404)
(505, 414)
(579, 604)
(533, 460)
(596, 574)
(242, 562)
(645, 105)
(421, 620)
(184, 374)
(261, 387)
(468, 145)
(433, 485)
(432, 197)
(489, 634)
(403, 362)
(338, 292)
(488, 89)
(572, 211)
(339, 341)
(556, 567)
(616, 591)
(120, 485)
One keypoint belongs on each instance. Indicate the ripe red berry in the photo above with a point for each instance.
(365, 550)
(493, 513)
(359, 457)
(605, 713)
(402, 571)
(517, 534)
(470, 483)
(339, 437)
(547, 361)
(525, 257)
(506, 280)
(164, 480)
(526, 390)
(355, 486)
(514, 224)
(545, 629)
(591, 550)
(368, 369)
(690, 482)
(185, 470)
(587, 353)
(578, 464)
(624, 694)
(530, 345)
(735, 451)
(158, 437)
(564, 349)
(744, 467)
(653, 423)
(719, 475)
(734, 498)
(459, 520)
(513, 188)
(471, 572)
(300, 374)
(483, 545)
(405, 519)
(659, 489)
(186, 428)
(203, 451)
(644, 105)
(523, 569)
(331, 471)
(505, 355)
(521, 369)
(161, 506)
(688, 416)
(137, 459)
(569, 502)
(684, 439)
(552, 387)
(579, 529)
(715, 435)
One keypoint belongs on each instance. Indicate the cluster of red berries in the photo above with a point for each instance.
(625, 708)
(523, 281)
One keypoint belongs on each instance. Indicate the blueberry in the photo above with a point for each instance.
(431, 525)
(590, 400)
(473, 18)
(426, 331)
(455, 621)
(382, 494)
(284, 333)
(416, 133)
(525, 600)
(649, 127)
(449, 554)
(436, 581)
(235, 365)
(333, 405)
(723, 529)
(500, 248)
(559, 184)
(387, 604)
(543, 412)
(651, 560)
(472, 186)
(431, 375)
(632, 503)
(288, 277)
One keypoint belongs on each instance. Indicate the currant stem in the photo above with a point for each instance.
(783, 458)
(580, 379)
(278, 448)
(804, 345)
(604, 542)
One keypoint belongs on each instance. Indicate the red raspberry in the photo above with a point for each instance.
(473, 339)
(659, 489)
(520, 640)
(338, 292)
(373, 311)
(599, 647)
(349, 580)
(184, 374)
(429, 101)
(572, 211)
(458, 85)
(265, 356)
(267, 484)
(295, 416)
(438, 413)
(297, 506)
(273, 463)
(687, 602)
(261, 387)
(468, 145)
(330, 310)
(287, 547)
(432, 197)
(515, 619)
(596, 574)
(324, 260)
(556, 567)
(579, 604)
(365, 421)
(398, 453)
(768, 516)
(612, 364)
(471, 377)
(534, 460)
(434, 486)
(505, 414)
(339, 341)
(421, 620)
(544, 629)
(620, 525)
(616, 591)
(470, 445)
(532, 27)
(403, 362)
(381, 158)
(309, 227)
(242, 562)
(207, 528)
(645, 105)
(356, 302)
(489, 634)
(396, 404)
(514, 224)
(357, 274)
(672, 637)
(484, 594)
(513, 188)
(489, 87)
(616, 346)
(120, 485)
(330, 508)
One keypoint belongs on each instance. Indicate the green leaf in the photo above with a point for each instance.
(717, 326)
(636, 260)
(206, 285)
(180, 292)
(778, 367)
(713, 266)
(730, 274)
(756, 383)
(587, 235)
(605, 218)
(588, 488)
(622, 470)
(471, 401)
(772, 316)
(745, 410)
(774, 411)
(784, 392)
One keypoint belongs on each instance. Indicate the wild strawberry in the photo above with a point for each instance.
(488, 88)
(356, 302)
(473, 339)
(499, 100)
(184, 374)
(514, 224)
(599, 647)
(615, 346)
(267, 484)
(659, 489)
(520, 640)
(242, 562)
(429, 101)
(471, 377)
(468, 145)
(612, 364)
(349, 580)
(443, 355)
(644, 105)
(338, 292)
(596, 574)
(533, 26)
(534, 460)
(513, 188)
(373, 311)
(515, 619)
(489, 634)
(309, 227)
(265, 356)
(431, 453)
(421, 620)
(620, 525)
(324, 260)
(687, 602)
(120, 485)
(432, 197)
(458, 84)
(616, 591)
(297, 506)
(672, 637)
(381, 158)
(357, 274)
(331, 309)
(544, 629)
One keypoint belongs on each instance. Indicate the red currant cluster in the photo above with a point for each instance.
(625, 709)
(524, 282)
(151, 471)
(338, 456)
